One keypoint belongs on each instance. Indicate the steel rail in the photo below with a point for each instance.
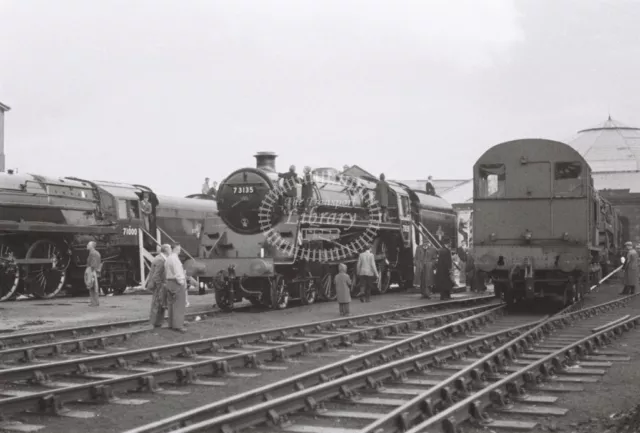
(471, 377)
(326, 373)
(514, 385)
(123, 359)
(100, 341)
(75, 332)
(28, 354)
(185, 372)
(276, 410)
(41, 370)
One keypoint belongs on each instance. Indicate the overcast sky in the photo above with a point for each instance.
(165, 93)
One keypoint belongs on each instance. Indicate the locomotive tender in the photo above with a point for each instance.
(263, 250)
(46, 223)
(540, 228)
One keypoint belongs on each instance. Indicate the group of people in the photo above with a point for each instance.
(209, 189)
(167, 281)
(434, 269)
(368, 276)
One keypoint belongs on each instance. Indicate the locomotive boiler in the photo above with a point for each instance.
(46, 223)
(272, 243)
(540, 228)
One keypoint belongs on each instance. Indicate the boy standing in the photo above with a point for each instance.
(343, 289)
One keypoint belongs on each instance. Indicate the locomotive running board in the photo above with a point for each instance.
(55, 228)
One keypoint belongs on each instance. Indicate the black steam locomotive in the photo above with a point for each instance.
(46, 223)
(270, 244)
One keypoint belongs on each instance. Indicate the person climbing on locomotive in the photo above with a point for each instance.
(426, 255)
(630, 270)
(444, 270)
(176, 289)
(367, 274)
(307, 189)
(205, 186)
(382, 196)
(343, 290)
(157, 284)
(94, 265)
(213, 191)
(145, 210)
(290, 179)
(431, 190)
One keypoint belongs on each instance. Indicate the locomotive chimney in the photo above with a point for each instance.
(3, 109)
(266, 161)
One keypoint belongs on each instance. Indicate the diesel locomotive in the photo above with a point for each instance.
(540, 229)
(270, 243)
(46, 223)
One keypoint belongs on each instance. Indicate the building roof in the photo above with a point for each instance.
(4, 107)
(609, 147)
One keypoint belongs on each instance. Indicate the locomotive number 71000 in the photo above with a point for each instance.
(242, 189)
(129, 231)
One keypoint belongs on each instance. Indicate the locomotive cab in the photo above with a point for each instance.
(536, 221)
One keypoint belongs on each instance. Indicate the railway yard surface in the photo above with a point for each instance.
(48, 372)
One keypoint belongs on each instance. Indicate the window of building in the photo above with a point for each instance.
(491, 181)
(568, 170)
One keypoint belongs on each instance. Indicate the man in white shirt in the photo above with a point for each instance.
(205, 186)
(176, 290)
(367, 274)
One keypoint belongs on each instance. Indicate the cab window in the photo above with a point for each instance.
(405, 206)
(491, 181)
(122, 210)
(568, 170)
(568, 178)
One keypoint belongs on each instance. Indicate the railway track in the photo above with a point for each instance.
(45, 385)
(429, 388)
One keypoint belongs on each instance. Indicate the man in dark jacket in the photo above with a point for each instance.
(382, 196)
(431, 190)
(290, 185)
(444, 267)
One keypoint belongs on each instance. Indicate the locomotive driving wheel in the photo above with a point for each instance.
(308, 291)
(45, 279)
(279, 293)
(9, 273)
(328, 287)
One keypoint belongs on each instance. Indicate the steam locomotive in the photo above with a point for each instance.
(540, 227)
(267, 251)
(46, 223)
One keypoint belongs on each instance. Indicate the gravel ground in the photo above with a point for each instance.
(33, 315)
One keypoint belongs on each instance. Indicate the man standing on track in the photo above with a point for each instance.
(367, 274)
(176, 290)
(157, 283)
(94, 265)
(630, 270)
